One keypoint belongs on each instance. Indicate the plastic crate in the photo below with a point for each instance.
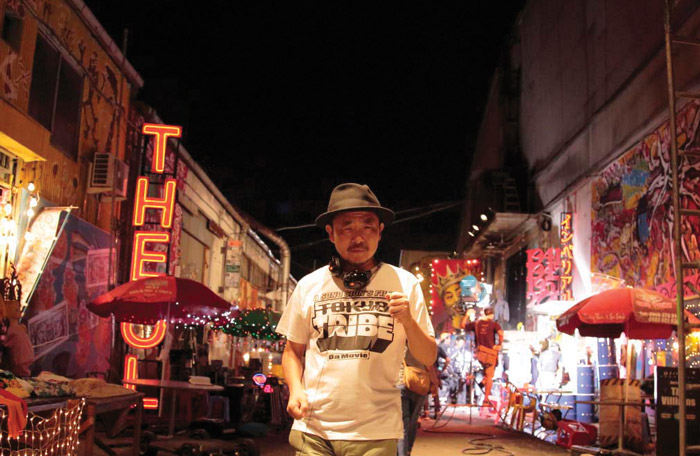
(570, 432)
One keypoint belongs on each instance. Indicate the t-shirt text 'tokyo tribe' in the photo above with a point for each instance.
(353, 321)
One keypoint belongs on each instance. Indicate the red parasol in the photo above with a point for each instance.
(174, 299)
(639, 313)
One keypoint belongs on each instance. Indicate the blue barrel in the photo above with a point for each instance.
(564, 399)
(585, 383)
(606, 351)
(584, 412)
(607, 371)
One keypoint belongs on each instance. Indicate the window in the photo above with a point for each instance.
(55, 96)
(12, 30)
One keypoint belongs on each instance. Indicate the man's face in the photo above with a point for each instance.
(452, 296)
(356, 235)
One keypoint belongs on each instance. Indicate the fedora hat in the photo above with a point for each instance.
(354, 197)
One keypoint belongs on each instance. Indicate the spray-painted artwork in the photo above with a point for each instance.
(448, 299)
(68, 339)
(632, 215)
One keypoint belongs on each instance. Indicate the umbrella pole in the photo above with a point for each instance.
(628, 376)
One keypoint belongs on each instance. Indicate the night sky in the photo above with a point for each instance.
(281, 102)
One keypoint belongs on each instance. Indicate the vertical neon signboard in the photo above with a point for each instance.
(141, 254)
(566, 237)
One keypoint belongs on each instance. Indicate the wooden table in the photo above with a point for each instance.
(124, 403)
(174, 386)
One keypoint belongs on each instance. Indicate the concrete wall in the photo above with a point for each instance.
(593, 82)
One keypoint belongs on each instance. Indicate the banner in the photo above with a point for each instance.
(68, 339)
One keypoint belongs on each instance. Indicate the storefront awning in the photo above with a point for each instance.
(18, 149)
(502, 232)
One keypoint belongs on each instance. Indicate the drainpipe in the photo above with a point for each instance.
(285, 253)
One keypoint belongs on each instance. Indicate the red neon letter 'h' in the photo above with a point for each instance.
(143, 202)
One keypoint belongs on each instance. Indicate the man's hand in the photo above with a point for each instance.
(298, 405)
(399, 307)
(497, 347)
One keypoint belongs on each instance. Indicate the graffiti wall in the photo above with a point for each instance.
(632, 216)
(67, 338)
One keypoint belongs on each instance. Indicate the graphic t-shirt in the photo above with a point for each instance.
(485, 331)
(354, 350)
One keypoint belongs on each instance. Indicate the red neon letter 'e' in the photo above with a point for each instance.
(141, 255)
(162, 133)
(142, 202)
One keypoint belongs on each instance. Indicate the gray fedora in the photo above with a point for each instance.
(354, 197)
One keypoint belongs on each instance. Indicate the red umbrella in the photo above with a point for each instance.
(174, 299)
(639, 313)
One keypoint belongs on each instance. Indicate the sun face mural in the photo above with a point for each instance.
(632, 214)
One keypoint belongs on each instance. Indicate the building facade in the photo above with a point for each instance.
(70, 149)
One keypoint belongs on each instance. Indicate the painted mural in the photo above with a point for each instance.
(632, 215)
(67, 338)
(448, 299)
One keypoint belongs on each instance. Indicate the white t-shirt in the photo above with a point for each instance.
(354, 350)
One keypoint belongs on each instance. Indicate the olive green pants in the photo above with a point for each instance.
(313, 445)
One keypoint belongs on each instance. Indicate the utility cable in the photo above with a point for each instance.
(431, 208)
(413, 217)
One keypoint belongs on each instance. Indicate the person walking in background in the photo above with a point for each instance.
(486, 330)
(549, 366)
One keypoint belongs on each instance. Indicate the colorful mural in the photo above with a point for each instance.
(448, 304)
(632, 216)
(68, 339)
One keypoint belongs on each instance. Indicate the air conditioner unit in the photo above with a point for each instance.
(103, 171)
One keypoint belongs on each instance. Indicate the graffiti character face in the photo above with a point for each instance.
(451, 297)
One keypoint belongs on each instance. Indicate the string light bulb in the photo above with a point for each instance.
(31, 187)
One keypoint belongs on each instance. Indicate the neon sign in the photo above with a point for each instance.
(259, 379)
(566, 237)
(161, 133)
(542, 275)
(140, 253)
(166, 204)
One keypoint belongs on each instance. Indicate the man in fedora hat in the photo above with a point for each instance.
(347, 325)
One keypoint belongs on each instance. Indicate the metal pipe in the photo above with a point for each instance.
(677, 251)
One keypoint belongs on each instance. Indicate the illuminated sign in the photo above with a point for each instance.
(130, 369)
(259, 379)
(566, 237)
(166, 204)
(161, 133)
(140, 254)
(156, 337)
(542, 275)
